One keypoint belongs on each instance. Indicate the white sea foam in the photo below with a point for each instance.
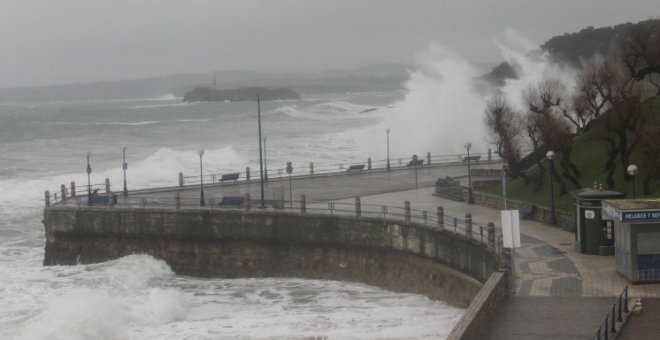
(324, 111)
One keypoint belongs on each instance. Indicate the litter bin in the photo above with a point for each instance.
(594, 235)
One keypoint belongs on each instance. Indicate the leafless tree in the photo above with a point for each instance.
(503, 125)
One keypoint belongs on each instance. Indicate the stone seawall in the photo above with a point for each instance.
(238, 243)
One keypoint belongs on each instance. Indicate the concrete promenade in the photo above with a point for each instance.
(559, 293)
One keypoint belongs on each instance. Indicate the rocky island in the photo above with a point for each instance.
(205, 94)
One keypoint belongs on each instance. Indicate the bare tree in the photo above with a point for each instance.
(503, 125)
(640, 53)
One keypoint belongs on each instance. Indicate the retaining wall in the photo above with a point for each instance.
(238, 243)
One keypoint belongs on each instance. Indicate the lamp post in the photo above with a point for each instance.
(289, 170)
(468, 145)
(201, 180)
(124, 166)
(632, 171)
(549, 155)
(89, 182)
(265, 161)
(261, 163)
(387, 132)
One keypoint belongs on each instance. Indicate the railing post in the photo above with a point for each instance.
(247, 174)
(406, 210)
(428, 158)
(613, 322)
(180, 179)
(490, 228)
(248, 204)
(607, 329)
(303, 204)
(369, 163)
(47, 197)
(63, 192)
(358, 207)
(311, 168)
(468, 225)
(331, 207)
(73, 189)
(177, 200)
(384, 210)
(598, 334)
(490, 157)
(455, 224)
(441, 217)
(625, 300)
(107, 185)
(424, 216)
(619, 317)
(481, 233)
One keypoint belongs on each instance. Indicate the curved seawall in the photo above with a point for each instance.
(394, 255)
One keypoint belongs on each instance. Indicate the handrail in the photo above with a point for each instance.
(609, 324)
(464, 226)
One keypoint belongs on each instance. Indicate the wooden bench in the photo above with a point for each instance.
(232, 201)
(527, 210)
(355, 167)
(416, 162)
(230, 177)
(471, 158)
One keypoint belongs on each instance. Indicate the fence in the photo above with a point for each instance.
(484, 233)
(619, 308)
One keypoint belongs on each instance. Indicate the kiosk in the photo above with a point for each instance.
(637, 237)
(593, 234)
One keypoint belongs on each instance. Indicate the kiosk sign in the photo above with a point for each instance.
(640, 216)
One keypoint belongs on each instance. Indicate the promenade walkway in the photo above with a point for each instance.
(559, 293)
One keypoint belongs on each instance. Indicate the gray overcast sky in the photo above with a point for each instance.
(65, 41)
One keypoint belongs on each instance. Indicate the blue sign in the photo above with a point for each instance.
(640, 216)
(124, 166)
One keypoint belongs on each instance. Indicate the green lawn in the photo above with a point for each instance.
(589, 155)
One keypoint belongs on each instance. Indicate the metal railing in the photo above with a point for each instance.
(648, 274)
(614, 316)
(434, 219)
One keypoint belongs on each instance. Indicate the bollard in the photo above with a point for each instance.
(47, 196)
(358, 207)
(107, 185)
(73, 189)
(247, 174)
(303, 204)
(63, 192)
(180, 179)
(441, 217)
(406, 210)
(490, 158)
(491, 234)
(177, 200)
(311, 168)
(468, 225)
(428, 158)
(248, 205)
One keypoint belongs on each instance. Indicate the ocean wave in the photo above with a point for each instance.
(325, 111)
(149, 106)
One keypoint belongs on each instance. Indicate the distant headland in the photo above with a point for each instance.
(205, 94)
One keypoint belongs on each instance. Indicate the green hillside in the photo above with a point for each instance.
(589, 154)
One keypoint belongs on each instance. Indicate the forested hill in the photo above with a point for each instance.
(574, 47)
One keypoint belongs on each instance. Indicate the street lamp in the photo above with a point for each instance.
(387, 132)
(89, 182)
(468, 145)
(289, 170)
(124, 166)
(265, 161)
(632, 171)
(201, 179)
(261, 159)
(549, 155)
